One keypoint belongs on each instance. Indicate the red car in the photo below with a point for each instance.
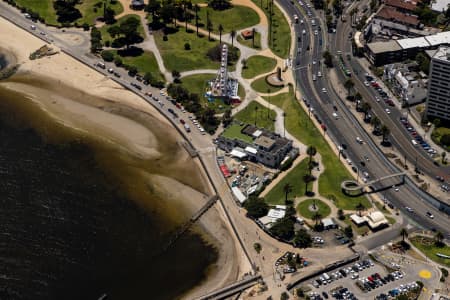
(182, 121)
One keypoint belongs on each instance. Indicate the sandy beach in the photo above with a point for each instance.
(84, 100)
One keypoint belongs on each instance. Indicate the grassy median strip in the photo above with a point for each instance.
(255, 113)
(299, 125)
(280, 42)
(257, 65)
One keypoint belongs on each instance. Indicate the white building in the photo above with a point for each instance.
(439, 5)
(408, 86)
(438, 103)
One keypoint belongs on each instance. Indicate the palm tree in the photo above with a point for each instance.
(196, 9)
(375, 122)
(365, 108)
(317, 217)
(209, 25)
(220, 33)
(404, 233)
(256, 114)
(287, 188)
(185, 2)
(349, 84)
(253, 37)
(385, 132)
(311, 151)
(360, 208)
(439, 237)
(233, 35)
(307, 178)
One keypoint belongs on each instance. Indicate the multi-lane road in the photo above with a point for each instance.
(321, 96)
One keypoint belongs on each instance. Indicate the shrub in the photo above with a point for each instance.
(118, 61)
(165, 38)
(187, 46)
(107, 56)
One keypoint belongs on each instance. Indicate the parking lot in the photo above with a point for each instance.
(366, 280)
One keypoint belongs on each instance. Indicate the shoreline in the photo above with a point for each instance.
(105, 111)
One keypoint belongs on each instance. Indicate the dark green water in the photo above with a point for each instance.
(67, 229)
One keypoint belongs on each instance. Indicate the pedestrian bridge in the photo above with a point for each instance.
(354, 188)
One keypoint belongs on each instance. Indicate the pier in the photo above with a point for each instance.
(232, 289)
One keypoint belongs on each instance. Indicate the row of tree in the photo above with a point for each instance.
(191, 102)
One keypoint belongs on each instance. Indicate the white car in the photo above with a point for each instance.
(303, 31)
(315, 32)
(335, 115)
(301, 21)
(395, 188)
(388, 111)
(377, 98)
(33, 27)
(409, 209)
(319, 74)
(324, 90)
(366, 83)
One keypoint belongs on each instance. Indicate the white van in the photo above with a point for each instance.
(414, 142)
(313, 22)
(314, 77)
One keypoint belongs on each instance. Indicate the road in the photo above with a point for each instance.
(345, 129)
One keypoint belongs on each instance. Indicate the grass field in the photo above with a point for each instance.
(90, 12)
(249, 43)
(438, 133)
(261, 85)
(237, 17)
(43, 7)
(104, 29)
(177, 58)
(144, 63)
(234, 131)
(295, 178)
(303, 208)
(427, 246)
(258, 64)
(281, 31)
(264, 119)
(299, 125)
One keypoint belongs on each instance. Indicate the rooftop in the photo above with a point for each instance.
(265, 142)
(443, 53)
(407, 5)
(379, 47)
(439, 38)
(234, 131)
(419, 42)
(390, 13)
(439, 5)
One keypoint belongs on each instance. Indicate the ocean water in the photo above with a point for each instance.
(68, 230)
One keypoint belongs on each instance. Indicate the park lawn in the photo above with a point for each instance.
(104, 29)
(281, 31)
(431, 250)
(177, 58)
(43, 7)
(257, 65)
(249, 42)
(260, 85)
(295, 178)
(86, 8)
(303, 208)
(299, 125)
(146, 62)
(254, 109)
(234, 18)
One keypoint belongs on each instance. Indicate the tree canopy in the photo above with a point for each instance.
(256, 207)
